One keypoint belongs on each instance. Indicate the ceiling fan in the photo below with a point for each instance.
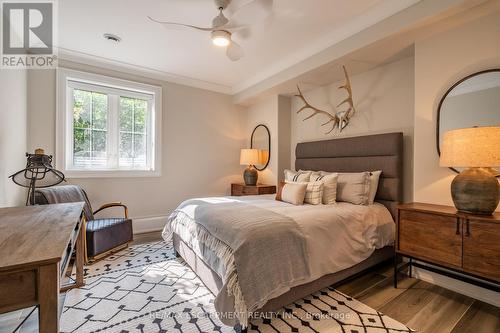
(222, 28)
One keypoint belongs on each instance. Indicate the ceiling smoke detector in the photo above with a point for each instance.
(113, 38)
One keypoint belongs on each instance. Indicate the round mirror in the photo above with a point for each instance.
(261, 140)
(472, 101)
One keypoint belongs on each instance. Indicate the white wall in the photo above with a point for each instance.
(266, 113)
(12, 134)
(284, 135)
(201, 139)
(274, 112)
(384, 101)
(440, 61)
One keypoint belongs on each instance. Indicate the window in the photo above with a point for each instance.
(107, 127)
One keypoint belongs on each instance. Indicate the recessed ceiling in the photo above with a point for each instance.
(296, 30)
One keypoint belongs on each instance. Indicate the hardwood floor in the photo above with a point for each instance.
(423, 306)
(420, 305)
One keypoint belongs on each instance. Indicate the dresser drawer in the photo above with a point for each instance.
(435, 238)
(482, 248)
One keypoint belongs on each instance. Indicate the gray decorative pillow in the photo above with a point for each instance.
(353, 187)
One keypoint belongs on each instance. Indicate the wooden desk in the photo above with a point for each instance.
(36, 244)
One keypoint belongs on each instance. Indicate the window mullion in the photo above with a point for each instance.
(113, 131)
(150, 134)
(69, 120)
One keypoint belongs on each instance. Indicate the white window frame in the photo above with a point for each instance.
(67, 80)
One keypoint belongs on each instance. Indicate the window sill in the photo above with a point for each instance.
(75, 174)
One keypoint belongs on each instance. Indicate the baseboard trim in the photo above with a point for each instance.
(467, 289)
(144, 225)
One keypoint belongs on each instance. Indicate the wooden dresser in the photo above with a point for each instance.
(36, 244)
(441, 236)
(242, 189)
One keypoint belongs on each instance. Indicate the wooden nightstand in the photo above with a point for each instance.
(242, 189)
(461, 243)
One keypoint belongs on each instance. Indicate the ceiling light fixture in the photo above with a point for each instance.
(221, 38)
(113, 38)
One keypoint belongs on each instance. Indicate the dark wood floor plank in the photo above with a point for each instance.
(147, 237)
(384, 292)
(479, 318)
(357, 286)
(441, 313)
(410, 302)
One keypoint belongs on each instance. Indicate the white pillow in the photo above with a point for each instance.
(293, 193)
(329, 186)
(374, 178)
(353, 187)
(299, 176)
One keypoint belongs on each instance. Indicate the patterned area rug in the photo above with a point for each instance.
(145, 288)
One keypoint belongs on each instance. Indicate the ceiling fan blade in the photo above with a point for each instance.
(243, 32)
(180, 24)
(252, 11)
(220, 20)
(234, 51)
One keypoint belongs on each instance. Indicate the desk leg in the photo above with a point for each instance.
(48, 298)
(80, 257)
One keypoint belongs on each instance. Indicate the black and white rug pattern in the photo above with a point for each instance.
(145, 288)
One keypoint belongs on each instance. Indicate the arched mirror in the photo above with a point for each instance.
(472, 101)
(261, 140)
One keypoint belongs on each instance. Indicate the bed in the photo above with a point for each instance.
(222, 239)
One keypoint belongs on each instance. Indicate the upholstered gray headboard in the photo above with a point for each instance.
(362, 153)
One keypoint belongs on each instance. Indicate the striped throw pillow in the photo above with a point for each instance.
(314, 193)
(298, 177)
(329, 186)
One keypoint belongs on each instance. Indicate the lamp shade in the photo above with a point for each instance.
(249, 157)
(471, 147)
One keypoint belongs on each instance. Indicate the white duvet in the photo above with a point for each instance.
(338, 236)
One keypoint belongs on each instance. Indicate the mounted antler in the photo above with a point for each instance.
(349, 100)
(339, 119)
(333, 119)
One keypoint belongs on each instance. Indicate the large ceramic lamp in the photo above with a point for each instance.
(250, 157)
(476, 189)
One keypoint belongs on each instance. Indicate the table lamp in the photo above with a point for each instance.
(476, 189)
(250, 157)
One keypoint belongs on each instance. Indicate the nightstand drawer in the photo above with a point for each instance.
(242, 189)
(432, 237)
(250, 190)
